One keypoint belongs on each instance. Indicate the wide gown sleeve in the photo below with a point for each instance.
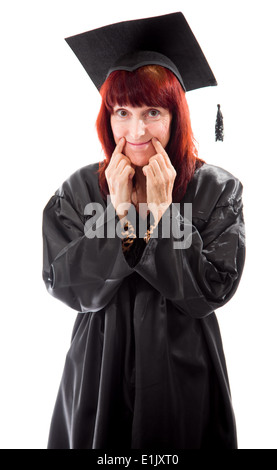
(204, 275)
(82, 272)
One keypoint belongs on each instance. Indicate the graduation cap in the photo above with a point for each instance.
(165, 40)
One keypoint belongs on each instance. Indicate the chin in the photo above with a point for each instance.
(140, 159)
(140, 162)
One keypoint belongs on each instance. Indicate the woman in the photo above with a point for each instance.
(146, 368)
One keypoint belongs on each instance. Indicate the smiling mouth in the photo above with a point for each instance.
(140, 144)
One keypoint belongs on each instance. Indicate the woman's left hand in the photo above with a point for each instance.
(160, 176)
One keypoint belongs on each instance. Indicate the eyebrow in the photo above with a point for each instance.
(135, 107)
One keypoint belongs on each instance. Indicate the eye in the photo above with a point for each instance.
(121, 113)
(153, 113)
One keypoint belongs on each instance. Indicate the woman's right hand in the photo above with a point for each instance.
(119, 174)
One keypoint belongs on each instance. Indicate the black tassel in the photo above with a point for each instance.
(219, 128)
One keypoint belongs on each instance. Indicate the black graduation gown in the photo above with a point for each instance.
(146, 367)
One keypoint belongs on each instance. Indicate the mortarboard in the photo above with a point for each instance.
(165, 40)
(162, 40)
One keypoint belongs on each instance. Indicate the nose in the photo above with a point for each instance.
(137, 128)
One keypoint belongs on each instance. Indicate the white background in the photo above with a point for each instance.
(48, 109)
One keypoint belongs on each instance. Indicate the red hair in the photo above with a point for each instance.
(156, 86)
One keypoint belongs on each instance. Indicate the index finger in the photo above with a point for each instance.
(119, 147)
(118, 154)
(159, 149)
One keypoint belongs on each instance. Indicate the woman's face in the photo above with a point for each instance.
(139, 126)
